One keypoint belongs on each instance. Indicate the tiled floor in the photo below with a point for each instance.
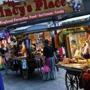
(15, 82)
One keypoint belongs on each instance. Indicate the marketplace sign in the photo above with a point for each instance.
(13, 12)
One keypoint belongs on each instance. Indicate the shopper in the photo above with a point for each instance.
(1, 83)
(2, 52)
(48, 53)
(86, 78)
(6, 59)
(61, 52)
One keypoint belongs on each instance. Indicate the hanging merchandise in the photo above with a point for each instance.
(7, 36)
(56, 39)
(1, 35)
(61, 37)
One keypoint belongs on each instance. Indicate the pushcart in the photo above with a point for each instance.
(73, 75)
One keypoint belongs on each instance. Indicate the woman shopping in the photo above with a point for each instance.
(48, 53)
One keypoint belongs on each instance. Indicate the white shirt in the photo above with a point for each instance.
(85, 49)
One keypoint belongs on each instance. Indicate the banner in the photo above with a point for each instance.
(12, 12)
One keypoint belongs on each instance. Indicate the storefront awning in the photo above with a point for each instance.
(72, 22)
(31, 29)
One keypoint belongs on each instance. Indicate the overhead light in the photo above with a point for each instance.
(19, 0)
(76, 19)
(22, 28)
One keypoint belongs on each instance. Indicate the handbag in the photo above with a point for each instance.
(45, 69)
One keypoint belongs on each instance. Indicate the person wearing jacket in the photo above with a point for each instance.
(48, 52)
(1, 83)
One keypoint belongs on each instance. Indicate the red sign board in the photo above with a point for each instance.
(12, 12)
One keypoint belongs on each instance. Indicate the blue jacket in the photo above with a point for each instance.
(1, 83)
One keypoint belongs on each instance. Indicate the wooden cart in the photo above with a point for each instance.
(73, 73)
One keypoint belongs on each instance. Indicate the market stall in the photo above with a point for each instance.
(28, 60)
(77, 45)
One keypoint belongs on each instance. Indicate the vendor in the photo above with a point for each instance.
(77, 53)
(85, 50)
